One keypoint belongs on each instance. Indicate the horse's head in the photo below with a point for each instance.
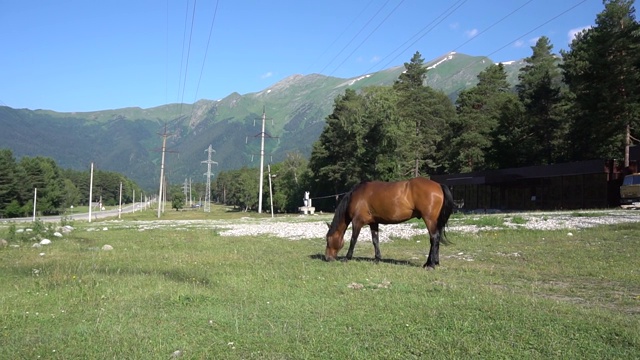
(335, 242)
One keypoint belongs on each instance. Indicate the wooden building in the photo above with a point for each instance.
(577, 185)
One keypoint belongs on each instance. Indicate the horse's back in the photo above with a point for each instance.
(394, 202)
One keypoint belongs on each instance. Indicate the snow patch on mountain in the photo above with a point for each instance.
(354, 80)
(447, 57)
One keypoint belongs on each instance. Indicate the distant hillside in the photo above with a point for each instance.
(128, 140)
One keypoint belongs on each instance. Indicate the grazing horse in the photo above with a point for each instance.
(375, 202)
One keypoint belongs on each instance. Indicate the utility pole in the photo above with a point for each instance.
(270, 189)
(120, 202)
(261, 180)
(262, 135)
(164, 146)
(91, 192)
(35, 201)
(162, 192)
(207, 195)
(185, 189)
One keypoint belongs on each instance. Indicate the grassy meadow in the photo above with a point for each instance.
(194, 294)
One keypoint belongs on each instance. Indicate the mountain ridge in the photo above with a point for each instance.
(128, 140)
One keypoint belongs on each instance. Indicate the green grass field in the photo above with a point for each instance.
(509, 294)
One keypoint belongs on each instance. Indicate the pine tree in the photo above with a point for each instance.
(541, 132)
(8, 180)
(334, 156)
(479, 110)
(425, 114)
(602, 70)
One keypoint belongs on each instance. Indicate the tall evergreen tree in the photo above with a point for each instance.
(335, 155)
(8, 180)
(425, 113)
(602, 70)
(43, 174)
(479, 109)
(540, 132)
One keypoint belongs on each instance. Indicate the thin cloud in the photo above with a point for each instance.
(534, 40)
(375, 59)
(266, 75)
(518, 44)
(454, 26)
(471, 33)
(574, 32)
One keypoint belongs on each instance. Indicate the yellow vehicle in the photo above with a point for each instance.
(630, 192)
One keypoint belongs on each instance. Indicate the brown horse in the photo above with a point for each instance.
(373, 203)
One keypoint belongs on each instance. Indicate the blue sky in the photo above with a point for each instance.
(79, 55)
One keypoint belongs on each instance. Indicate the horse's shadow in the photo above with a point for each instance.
(367, 259)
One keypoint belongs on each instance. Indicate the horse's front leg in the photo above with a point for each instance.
(375, 241)
(355, 231)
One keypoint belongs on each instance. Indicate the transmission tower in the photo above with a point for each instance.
(207, 195)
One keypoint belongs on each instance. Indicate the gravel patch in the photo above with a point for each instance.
(314, 227)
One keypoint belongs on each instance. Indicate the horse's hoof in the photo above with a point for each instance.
(429, 268)
(344, 260)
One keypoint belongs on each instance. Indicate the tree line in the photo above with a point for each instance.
(57, 189)
(581, 104)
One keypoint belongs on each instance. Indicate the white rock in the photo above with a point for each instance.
(57, 234)
(107, 247)
(105, 229)
(36, 245)
(45, 242)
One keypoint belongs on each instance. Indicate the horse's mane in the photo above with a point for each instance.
(341, 210)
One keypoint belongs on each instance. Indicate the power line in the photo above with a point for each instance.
(204, 60)
(492, 25)
(339, 36)
(429, 27)
(355, 36)
(186, 67)
(519, 37)
(184, 35)
(367, 37)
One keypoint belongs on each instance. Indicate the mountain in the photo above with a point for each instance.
(129, 140)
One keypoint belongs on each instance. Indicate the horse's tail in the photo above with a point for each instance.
(445, 212)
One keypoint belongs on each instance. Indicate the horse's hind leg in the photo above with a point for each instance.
(434, 251)
(375, 240)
